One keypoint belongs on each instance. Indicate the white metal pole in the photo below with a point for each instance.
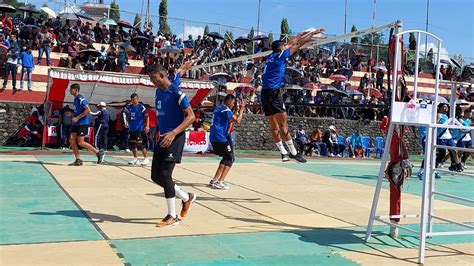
(431, 134)
(417, 65)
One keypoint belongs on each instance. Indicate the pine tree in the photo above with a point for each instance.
(251, 35)
(412, 40)
(284, 29)
(137, 22)
(206, 30)
(163, 11)
(229, 36)
(354, 40)
(430, 55)
(270, 37)
(114, 11)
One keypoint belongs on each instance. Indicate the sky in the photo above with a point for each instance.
(452, 21)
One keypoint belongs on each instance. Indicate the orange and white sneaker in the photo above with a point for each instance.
(168, 221)
(187, 205)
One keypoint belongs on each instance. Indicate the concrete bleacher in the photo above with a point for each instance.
(40, 75)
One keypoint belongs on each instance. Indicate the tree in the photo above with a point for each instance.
(284, 29)
(137, 22)
(354, 40)
(412, 39)
(163, 11)
(378, 39)
(150, 23)
(251, 35)
(229, 36)
(270, 37)
(206, 30)
(430, 55)
(114, 11)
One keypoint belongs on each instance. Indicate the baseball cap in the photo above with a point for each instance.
(102, 104)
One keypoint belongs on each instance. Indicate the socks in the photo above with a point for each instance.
(281, 147)
(184, 196)
(171, 203)
(291, 147)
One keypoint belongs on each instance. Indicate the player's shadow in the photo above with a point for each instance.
(38, 162)
(97, 217)
(230, 200)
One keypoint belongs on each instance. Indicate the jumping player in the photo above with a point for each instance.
(138, 121)
(272, 101)
(174, 115)
(220, 138)
(80, 126)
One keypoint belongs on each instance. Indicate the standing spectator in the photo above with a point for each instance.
(102, 126)
(27, 67)
(57, 23)
(102, 57)
(44, 41)
(379, 76)
(65, 122)
(122, 59)
(6, 22)
(11, 65)
(364, 82)
(152, 118)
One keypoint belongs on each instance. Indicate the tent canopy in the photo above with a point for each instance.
(112, 87)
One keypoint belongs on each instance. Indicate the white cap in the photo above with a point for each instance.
(332, 128)
(102, 104)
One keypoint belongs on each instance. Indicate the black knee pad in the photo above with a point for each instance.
(132, 145)
(139, 145)
(228, 161)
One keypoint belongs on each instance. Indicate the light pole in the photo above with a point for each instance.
(258, 17)
(345, 16)
(426, 29)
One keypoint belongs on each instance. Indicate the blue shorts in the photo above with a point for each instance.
(464, 144)
(446, 142)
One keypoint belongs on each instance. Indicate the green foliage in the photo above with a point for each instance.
(137, 22)
(412, 39)
(163, 11)
(206, 30)
(114, 11)
(378, 39)
(229, 36)
(354, 40)
(284, 29)
(270, 37)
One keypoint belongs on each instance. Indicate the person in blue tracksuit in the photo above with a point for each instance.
(102, 126)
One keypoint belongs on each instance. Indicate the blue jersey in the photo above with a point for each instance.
(442, 119)
(461, 134)
(176, 79)
(80, 104)
(422, 134)
(170, 104)
(274, 72)
(136, 117)
(220, 124)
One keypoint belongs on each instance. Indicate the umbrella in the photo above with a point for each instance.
(215, 35)
(293, 71)
(462, 102)
(311, 86)
(49, 11)
(360, 54)
(124, 24)
(28, 8)
(354, 92)
(220, 74)
(324, 48)
(445, 61)
(335, 91)
(338, 77)
(69, 16)
(242, 39)
(84, 16)
(441, 99)
(127, 46)
(140, 38)
(7, 8)
(84, 54)
(260, 37)
(383, 68)
(108, 21)
(169, 49)
(245, 89)
(240, 53)
(375, 93)
(345, 71)
(30, 27)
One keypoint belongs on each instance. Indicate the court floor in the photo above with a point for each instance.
(275, 213)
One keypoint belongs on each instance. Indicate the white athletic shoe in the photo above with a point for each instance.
(145, 162)
(220, 185)
(394, 231)
(134, 161)
(127, 150)
(340, 156)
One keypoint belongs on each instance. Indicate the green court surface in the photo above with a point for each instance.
(367, 174)
(29, 200)
(38, 206)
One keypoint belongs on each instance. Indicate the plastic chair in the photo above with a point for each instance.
(379, 146)
(367, 146)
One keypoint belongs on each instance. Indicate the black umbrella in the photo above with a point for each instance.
(84, 54)
(7, 8)
(124, 24)
(140, 39)
(215, 35)
(84, 16)
(127, 46)
(31, 27)
(293, 71)
(260, 37)
(242, 39)
(169, 49)
(28, 8)
(240, 53)
(455, 62)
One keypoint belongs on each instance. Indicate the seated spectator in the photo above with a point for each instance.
(317, 141)
(302, 140)
(330, 139)
(355, 146)
(122, 59)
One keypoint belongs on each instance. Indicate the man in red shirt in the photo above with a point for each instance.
(152, 124)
